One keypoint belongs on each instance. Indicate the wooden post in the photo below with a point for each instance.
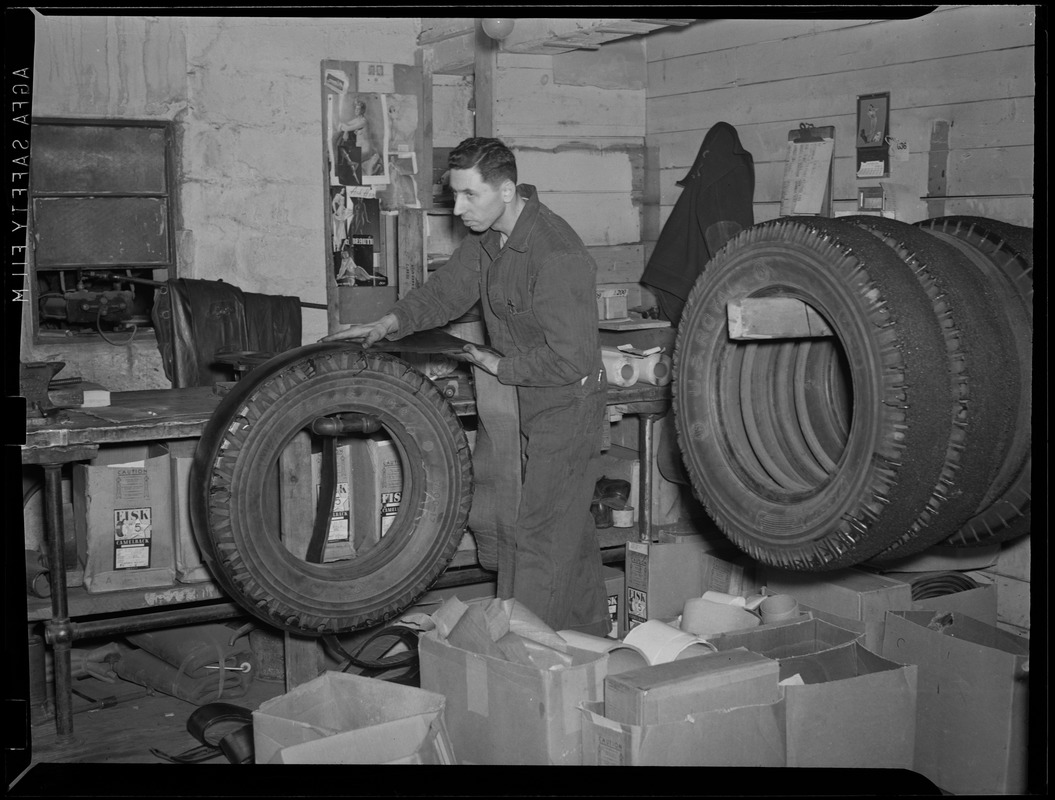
(303, 659)
(486, 64)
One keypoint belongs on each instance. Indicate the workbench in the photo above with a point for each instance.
(161, 415)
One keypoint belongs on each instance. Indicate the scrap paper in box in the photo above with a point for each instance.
(501, 712)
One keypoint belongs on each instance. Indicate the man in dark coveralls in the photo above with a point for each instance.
(536, 281)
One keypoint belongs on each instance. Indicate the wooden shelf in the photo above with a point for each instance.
(83, 604)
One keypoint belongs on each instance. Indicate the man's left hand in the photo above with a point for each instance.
(483, 357)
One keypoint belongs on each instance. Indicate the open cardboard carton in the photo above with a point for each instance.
(973, 721)
(787, 639)
(340, 718)
(513, 691)
(848, 707)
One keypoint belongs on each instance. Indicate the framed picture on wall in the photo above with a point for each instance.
(873, 119)
(873, 130)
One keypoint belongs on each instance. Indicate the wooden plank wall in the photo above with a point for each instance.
(576, 122)
(970, 66)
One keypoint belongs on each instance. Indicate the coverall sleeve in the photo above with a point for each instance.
(449, 292)
(565, 307)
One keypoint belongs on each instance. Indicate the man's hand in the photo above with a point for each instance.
(483, 357)
(366, 333)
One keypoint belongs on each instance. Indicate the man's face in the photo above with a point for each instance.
(479, 204)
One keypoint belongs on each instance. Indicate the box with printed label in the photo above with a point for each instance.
(612, 301)
(123, 508)
(614, 590)
(340, 718)
(502, 712)
(667, 692)
(661, 576)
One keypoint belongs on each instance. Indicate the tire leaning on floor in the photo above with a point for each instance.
(983, 379)
(235, 479)
(1003, 255)
(772, 487)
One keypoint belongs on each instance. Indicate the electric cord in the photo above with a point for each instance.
(107, 339)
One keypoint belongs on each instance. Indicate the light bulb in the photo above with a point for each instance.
(497, 28)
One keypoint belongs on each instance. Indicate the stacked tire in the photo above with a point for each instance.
(908, 427)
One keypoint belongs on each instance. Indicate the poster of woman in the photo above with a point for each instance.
(873, 119)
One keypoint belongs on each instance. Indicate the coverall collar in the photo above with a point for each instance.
(518, 237)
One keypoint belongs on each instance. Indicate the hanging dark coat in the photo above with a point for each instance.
(715, 205)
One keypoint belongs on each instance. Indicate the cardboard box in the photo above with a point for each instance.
(123, 509)
(743, 736)
(339, 537)
(614, 588)
(500, 712)
(785, 640)
(853, 709)
(849, 594)
(668, 692)
(612, 301)
(973, 715)
(189, 566)
(979, 603)
(340, 718)
(377, 477)
(661, 576)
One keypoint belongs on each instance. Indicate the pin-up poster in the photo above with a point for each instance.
(373, 130)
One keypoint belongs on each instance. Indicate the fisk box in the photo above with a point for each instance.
(661, 576)
(501, 712)
(667, 692)
(340, 718)
(123, 508)
(614, 589)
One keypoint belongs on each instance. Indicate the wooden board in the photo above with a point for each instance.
(830, 48)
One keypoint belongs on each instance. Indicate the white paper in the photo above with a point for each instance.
(870, 169)
(806, 177)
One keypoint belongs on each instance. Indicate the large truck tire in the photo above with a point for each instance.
(984, 382)
(814, 454)
(235, 508)
(1003, 255)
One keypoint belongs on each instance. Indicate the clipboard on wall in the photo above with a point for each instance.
(807, 185)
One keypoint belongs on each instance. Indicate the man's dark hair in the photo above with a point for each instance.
(494, 161)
